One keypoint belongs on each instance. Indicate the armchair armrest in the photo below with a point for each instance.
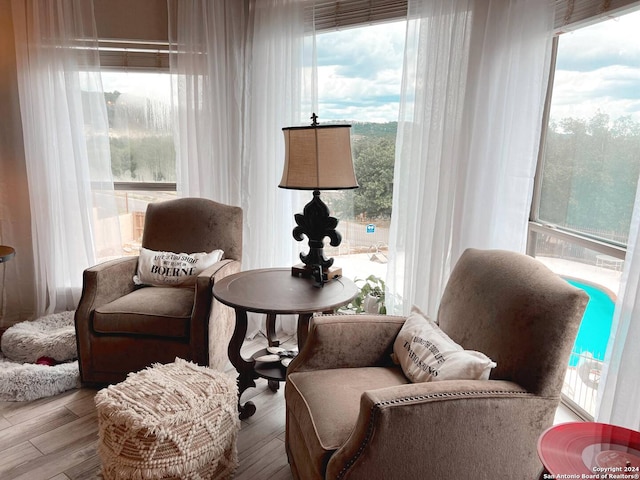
(218, 271)
(211, 319)
(346, 341)
(458, 422)
(101, 284)
(105, 282)
(204, 283)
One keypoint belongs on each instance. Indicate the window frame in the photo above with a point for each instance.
(326, 15)
(537, 227)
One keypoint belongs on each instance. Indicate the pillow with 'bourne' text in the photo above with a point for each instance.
(425, 353)
(172, 269)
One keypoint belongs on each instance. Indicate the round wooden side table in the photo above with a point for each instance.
(274, 291)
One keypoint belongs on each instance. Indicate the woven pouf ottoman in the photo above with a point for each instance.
(173, 421)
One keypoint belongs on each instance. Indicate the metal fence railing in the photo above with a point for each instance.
(580, 389)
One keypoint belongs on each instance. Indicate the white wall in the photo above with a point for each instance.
(16, 276)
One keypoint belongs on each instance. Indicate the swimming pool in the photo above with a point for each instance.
(595, 328)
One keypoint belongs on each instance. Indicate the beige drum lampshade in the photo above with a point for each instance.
(318, 158)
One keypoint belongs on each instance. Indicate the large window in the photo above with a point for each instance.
(141, 142)
(140, 126)
(359, 77)
(587, 181)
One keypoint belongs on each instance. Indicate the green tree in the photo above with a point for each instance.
(590, 174)
(123, 165)
(373, 162)
(374, 157)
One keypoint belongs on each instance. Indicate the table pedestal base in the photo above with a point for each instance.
(273, 292)
(248, 369)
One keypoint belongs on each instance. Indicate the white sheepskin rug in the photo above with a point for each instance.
(21, 382)
(51, 337)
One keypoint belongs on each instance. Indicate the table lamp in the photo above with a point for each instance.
(317, 157)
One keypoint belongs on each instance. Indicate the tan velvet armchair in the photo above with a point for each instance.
(122, 328)
(352, 414)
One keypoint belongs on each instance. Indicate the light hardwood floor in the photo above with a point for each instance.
(56, 438)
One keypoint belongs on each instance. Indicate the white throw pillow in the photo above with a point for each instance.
(172, 269)
(426, 353)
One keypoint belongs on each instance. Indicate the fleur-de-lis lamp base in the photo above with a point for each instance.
(315, 223)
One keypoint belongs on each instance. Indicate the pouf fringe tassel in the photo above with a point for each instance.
(169, 421)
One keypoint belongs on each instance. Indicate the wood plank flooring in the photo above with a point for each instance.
(55, 438)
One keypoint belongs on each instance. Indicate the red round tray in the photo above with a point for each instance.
(589, 448)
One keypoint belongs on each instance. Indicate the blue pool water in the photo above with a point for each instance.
(595, 328)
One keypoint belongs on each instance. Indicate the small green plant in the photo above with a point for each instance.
(371, 287)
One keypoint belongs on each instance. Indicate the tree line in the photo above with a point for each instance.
(589, 178)
(590, 175)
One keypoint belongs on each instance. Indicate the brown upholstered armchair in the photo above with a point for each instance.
(352, 414)
(122, 328)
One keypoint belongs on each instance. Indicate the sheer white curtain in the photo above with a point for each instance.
(207, 45)
(65, 127)
(473, 90)
(279, 87)
(242, 70)
(619, 390)
(275, 92)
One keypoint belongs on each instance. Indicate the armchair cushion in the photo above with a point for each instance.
(172, 269)
(325, 405)
(426, 353)
(162, 312)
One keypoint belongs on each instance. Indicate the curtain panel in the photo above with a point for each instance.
(474, 82)
(619, 389)
(239, 77)
(276, 96)
(242, 70)
(280, 87)
(65, 129)
(206, 56)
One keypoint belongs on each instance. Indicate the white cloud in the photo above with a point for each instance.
(387, 112)
(360, 72)
(380, 84)
(617, 38)
(598, 70)
(154, 85)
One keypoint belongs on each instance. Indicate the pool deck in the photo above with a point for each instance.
(608, 278)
